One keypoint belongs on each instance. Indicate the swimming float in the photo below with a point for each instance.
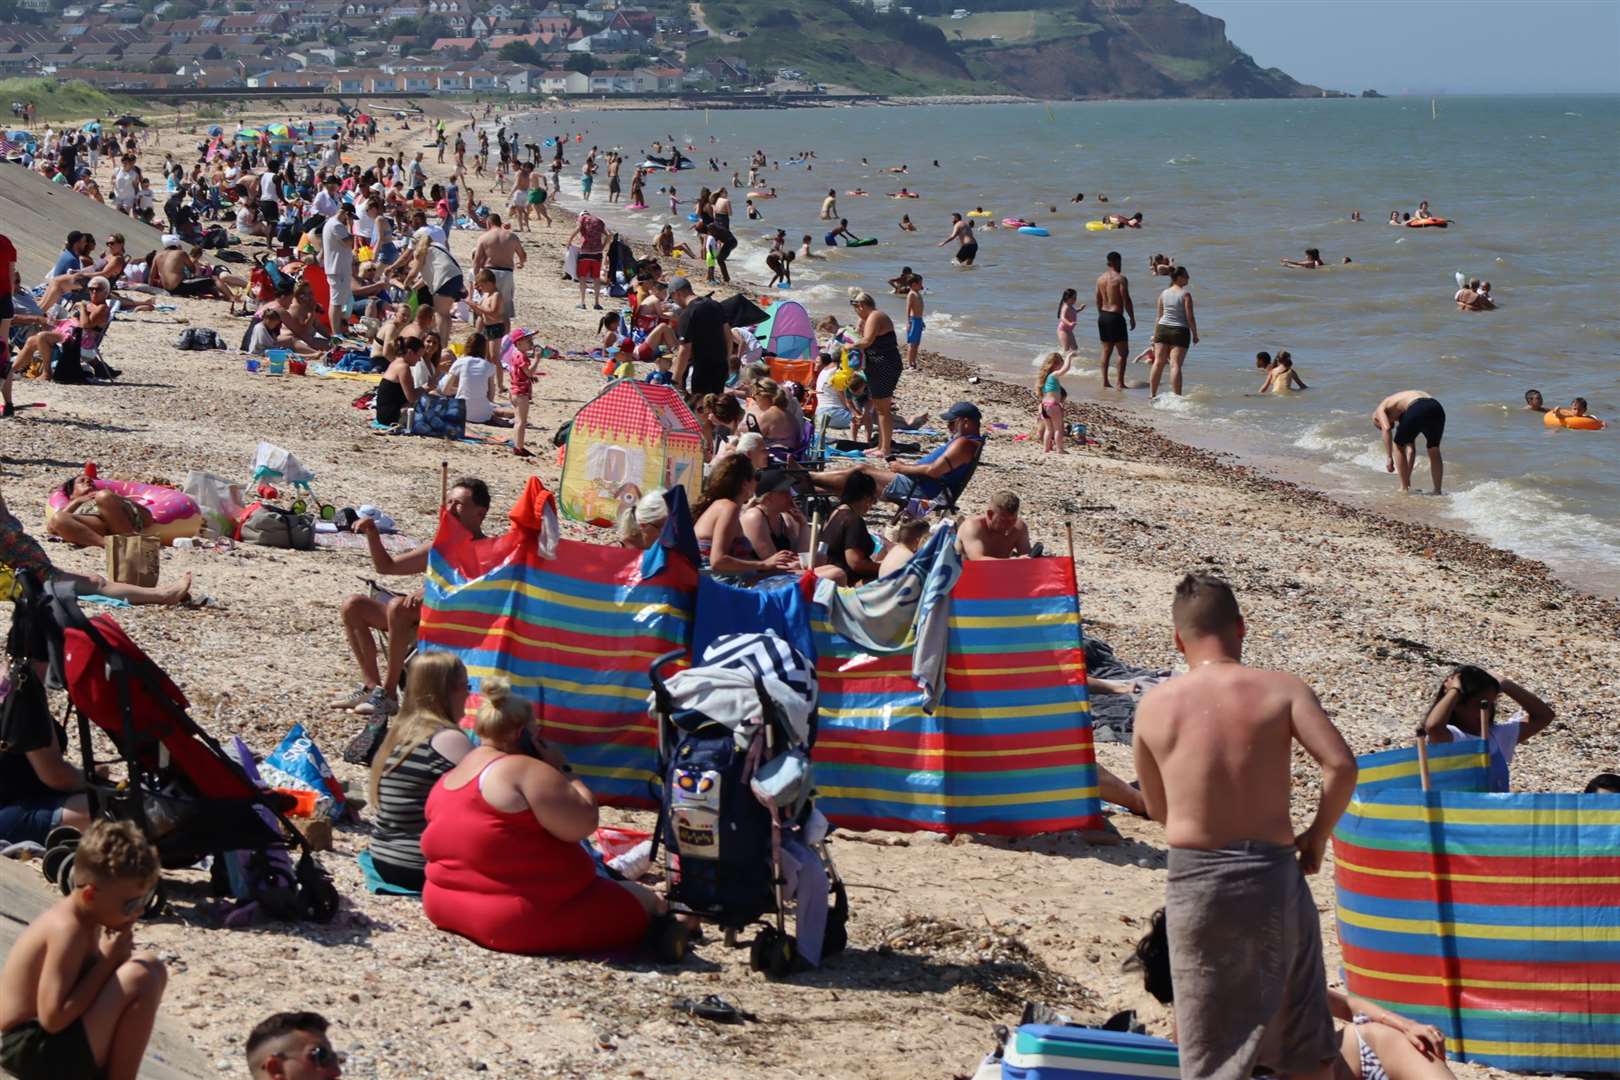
(691, 217)
(904, 195)
(867, 242)
(1033, 230)
(1099, 226)
(859, 194)
(761, 195)
(980, 213)
(1573, 423)
(1015, 222)
(174, 513)
(1428, 223)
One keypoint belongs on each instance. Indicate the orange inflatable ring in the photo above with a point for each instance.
(1574, 423)
(1427, 223)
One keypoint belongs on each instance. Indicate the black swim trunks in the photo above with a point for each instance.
(1423, 417)
(455, 289)
(1111, 328)
(966, 252)
(30, 1052)
(7, 310)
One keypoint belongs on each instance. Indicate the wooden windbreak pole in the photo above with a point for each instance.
(1423, 759)
(444, 484)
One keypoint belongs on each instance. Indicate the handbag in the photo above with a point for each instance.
(133, 560)
(439, 417)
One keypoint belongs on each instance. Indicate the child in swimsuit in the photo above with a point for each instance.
(1049, 420)
(522, 365)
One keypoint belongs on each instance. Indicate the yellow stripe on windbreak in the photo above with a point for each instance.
(1452, 815)
(1034, 669)
(561, 599)
(1014, 622)
(1480, 1048)
(924, 798)
(1440, 928)
(830, 744)
(1476, 984)
(1485, 879)
(629, 693)
(1410, 768)
(611, 774)
(512, 635)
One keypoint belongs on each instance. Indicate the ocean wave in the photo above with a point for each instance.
(1515, 515)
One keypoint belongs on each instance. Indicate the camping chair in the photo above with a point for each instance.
(383, 595)
(944, 503)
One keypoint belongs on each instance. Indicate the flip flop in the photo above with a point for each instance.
(714, 1008)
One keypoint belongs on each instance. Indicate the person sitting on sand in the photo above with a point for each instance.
(1281, 378)
(1464, 707)
(423, 743)
(91, 317)
(666, 246)
(998, 533)
(292, 1046)
(945, 468)
(397, 387)
(772, 520)
(92, 514)
(717, 522)
(506, 868)
(641, 525)
(1576, 408)
(906, 537)
(845, 537)
(397, 616)
(1375, 1044)
(1311, 261)
(75, 998)
(270, 332)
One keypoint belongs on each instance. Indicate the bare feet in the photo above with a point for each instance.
(176, 593)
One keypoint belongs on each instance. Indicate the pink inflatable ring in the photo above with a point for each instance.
(174, 513)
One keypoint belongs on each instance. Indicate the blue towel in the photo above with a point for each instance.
(374, 881)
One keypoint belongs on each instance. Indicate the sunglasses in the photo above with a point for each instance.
(319, 1056)
(135, 906)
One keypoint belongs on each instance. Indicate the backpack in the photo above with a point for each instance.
(271, 526)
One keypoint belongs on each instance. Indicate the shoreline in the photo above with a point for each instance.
(947, 938)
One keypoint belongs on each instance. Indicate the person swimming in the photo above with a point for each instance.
(1281, 378)
(1532, 401)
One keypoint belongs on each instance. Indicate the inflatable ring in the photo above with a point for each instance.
(1427, 223)
(980, 213)
(174, 513)
(1015, 222)
(1098, 226)
(1033, 230)
(1573, 423)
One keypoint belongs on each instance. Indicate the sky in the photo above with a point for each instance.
(1432, 46)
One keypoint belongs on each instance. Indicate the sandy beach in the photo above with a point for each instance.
(947, 939)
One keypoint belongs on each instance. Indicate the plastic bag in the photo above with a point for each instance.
(571, 261)
(219, 500)
(298, 764)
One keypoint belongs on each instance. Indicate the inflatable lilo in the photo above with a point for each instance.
(152, 509)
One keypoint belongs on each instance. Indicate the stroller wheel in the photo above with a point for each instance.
(837, 937)
(783, 952)
(52, 862)
(64, 874)
(62, 836)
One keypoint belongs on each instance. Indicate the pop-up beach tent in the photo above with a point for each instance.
(629, 439)
(788, 332)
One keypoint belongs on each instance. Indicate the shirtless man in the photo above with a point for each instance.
(914, 319)
(1214, 756)
(501, 253)
(962, 235)
(1113, 307)
(174, 270)
(998, 533)
(1402, 417)
(1469, 298)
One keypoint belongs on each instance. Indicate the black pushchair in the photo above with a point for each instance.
(735, 809)
(189, 796)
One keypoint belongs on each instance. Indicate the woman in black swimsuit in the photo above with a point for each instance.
(882, 364)
(397, 388)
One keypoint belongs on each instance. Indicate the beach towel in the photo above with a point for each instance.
(1246, 962)
(1113, 716)
(374, 882)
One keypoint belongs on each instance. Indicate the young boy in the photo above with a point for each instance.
(1245, 943)
(73, 1000)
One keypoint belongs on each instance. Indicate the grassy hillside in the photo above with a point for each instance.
(57, 100)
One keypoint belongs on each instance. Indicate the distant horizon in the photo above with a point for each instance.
(1425, 47)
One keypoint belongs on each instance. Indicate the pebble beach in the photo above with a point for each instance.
(947, 939)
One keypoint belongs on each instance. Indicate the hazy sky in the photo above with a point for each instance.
(1464, 46)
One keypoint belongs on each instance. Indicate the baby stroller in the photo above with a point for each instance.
(742, 840)
(185, 792)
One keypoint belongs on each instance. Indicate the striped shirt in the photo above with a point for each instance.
(401, 806)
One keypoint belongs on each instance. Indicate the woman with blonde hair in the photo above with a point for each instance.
(506, 867)
(906, 538)
(1049, 384)
(768, 413)
(424, 742)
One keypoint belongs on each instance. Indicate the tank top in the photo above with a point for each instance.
(402, 796)
(1175, 307)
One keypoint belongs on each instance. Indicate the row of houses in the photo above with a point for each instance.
(493, 79)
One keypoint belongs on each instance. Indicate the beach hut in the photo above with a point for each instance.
(787, 332)
(629, 439)
(1491, 916)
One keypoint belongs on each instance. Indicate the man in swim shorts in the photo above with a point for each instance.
(1113, 306)
(501, 253)
(1402, 418)
(914, 319)
(1245, 943)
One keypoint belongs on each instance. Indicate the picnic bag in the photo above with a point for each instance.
(133, 560)
(439, 417)
(271, 526)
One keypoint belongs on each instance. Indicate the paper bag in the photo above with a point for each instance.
(133, 560)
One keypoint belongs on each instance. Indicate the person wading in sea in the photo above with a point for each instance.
(1113, 307)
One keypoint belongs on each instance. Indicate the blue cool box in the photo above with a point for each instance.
(1051, 1052)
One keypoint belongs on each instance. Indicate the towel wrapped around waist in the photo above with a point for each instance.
(1246, 963)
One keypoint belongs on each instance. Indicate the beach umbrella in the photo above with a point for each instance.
(247, 135)
(741, 311)
(216, 131)
(278, 129)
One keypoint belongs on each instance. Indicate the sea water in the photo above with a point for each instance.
(1227, 189)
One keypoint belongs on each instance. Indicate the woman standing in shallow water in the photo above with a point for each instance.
(1174, 333)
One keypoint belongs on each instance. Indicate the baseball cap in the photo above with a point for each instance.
(773, 480)
(962, 410)
(678, 283)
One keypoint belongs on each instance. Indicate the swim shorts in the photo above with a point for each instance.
(1111, 328)
(537, 196)
(6, 309)
(1177, 337)
(966, 253)
(455, 288)
(32, 1053)
(588, 268)
(914, 330)
(1423, 417)
(31, 820)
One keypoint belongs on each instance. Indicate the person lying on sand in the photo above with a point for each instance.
(998, 533)
(24, 554)
(292, 1046)
(1464, 707)
(1375, 1044)
(1246, 944)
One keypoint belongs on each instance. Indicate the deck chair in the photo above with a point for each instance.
(944, 503)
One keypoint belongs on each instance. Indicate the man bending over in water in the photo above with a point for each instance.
(1245, 944)
(1402, 418)
(1113, 305)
